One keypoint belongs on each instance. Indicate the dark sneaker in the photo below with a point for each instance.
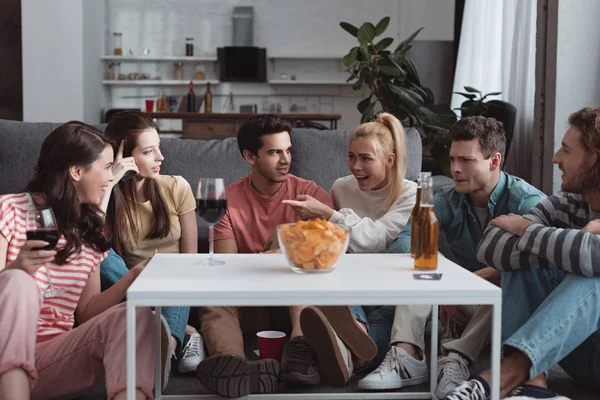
(349, 330)
(533, 392)
(233, 376)
(473, 389)
(335, 358)
(300, 363)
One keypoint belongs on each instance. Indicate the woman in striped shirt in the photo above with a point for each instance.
(42, 354)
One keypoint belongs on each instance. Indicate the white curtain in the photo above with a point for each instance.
(497, 54)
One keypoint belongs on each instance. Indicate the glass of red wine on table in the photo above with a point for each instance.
(41, 225)
(211, 205)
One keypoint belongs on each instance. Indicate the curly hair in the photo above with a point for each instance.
(489, 131)
(587, 121)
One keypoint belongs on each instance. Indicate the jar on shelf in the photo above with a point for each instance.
(110, 74)
(117, 43)
(189, 47)
(200, 76)
(178, 71)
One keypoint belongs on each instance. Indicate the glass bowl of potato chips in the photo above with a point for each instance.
(313, 246)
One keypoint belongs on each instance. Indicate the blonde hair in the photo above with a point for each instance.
(387, 135)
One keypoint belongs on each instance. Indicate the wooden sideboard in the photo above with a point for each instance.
(219, 126)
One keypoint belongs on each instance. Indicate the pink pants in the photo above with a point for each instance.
(74, 361)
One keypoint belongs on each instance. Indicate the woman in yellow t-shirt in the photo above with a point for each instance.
(151, 213)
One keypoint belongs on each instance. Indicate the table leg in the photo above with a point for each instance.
(131, 386)
(496, 346)
(434, 349)
(157, 376)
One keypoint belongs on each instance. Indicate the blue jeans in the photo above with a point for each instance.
(113, 268)
(554, 317)
(378, 320)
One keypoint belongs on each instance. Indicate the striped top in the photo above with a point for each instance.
(57, 313)
(555, 239)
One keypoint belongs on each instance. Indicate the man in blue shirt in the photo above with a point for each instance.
(481, 192)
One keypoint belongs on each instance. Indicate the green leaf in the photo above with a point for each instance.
(428, 116)
(490, 94)
(412, 73)
(351, 29)
(471, 89)
(364, 104)
(366, 33)
(390, 71)
(350, 57)
(407, 96)
(364, 54)
(357, 85)
(368, 114)
(382, 26)
(467, 95)
(407, 42)
(384, 43)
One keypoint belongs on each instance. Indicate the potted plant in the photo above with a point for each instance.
(394, 86)
(476, 104)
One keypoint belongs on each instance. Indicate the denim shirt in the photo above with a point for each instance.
(458, 221)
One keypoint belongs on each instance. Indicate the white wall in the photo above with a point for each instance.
(52, 60)
(63, 39)
(437, 16)
(94, 94)
(577, 65)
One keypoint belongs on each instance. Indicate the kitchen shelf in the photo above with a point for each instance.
(154, 82)
(315, 82)
(311, 57)
(162, 58)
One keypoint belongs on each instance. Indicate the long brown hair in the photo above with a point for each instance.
(128, 126)
(388, 137)
(73, 143)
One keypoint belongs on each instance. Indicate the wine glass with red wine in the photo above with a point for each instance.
(41, 225)
(211, 205)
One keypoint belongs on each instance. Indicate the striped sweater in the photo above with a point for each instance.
(555, 240)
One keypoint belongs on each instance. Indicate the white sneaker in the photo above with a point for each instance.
(166, 352)
(192, 353)
(398, 369)
(452, 371)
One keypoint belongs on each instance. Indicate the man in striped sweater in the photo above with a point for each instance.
(551, 280)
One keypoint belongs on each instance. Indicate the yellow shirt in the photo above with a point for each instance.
(179, 200)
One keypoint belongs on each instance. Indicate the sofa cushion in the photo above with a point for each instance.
(322, 155)
(20, 144)
(195, 159)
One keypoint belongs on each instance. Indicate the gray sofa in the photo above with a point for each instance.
(317, 155)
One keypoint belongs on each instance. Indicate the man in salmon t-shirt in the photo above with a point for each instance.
(254, 210)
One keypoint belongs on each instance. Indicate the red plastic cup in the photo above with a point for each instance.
(270, 344)
(149, 105)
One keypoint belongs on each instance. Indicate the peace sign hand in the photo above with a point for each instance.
(122, 165)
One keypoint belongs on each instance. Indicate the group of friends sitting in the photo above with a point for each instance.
(543, 251)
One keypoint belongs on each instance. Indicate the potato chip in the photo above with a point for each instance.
(313, 244)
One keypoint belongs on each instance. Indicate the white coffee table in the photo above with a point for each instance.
(267, 280)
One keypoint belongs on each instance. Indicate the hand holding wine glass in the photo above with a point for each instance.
(30, 258)
(211, 206)
(41, 227)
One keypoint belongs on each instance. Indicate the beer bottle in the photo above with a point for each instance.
(428, 230)
(415, 212)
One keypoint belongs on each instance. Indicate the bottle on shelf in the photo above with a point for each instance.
(208, 99)
(415, 213)
(189, 47)
(427, 230)
(191, 99)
